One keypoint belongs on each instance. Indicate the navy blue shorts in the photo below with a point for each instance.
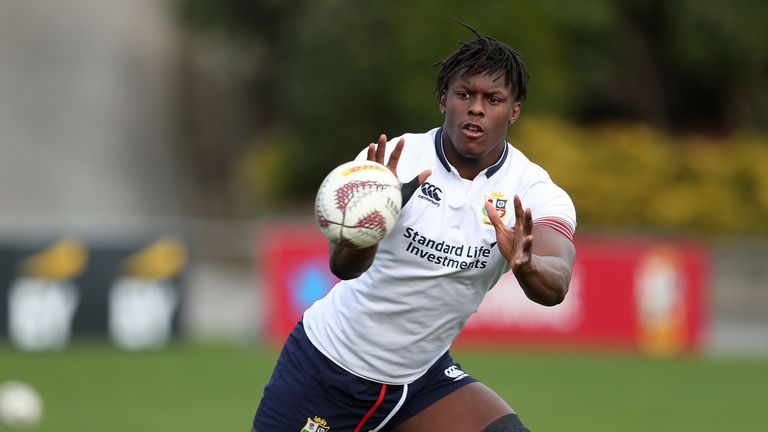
(310, 393)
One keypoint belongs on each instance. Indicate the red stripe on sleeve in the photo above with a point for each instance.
(558, 225)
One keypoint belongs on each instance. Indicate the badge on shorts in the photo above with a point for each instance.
(316, 425)
(455, 373)
(499, 202)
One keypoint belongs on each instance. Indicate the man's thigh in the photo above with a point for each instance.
(469, 409)
(307, 391)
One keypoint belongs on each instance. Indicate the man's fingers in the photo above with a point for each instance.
(493, 216)
(408, 189)
(394, 157)
(527, 222)
(527, 249)
(376, 152)
(528, 245)
(424, 175)
(518, 210)
(381, 149)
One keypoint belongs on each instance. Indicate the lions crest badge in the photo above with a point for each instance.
(316, 424)
(499, 202)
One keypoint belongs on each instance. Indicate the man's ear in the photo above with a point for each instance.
(514, 113)
(441, 103)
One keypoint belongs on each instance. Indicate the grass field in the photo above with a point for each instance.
(189, 388)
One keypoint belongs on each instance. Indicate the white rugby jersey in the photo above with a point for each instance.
(432, 270)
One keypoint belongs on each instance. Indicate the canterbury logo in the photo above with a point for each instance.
(455, 373)
(431, 191)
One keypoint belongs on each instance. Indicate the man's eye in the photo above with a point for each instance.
(494, 100)
(463, 95)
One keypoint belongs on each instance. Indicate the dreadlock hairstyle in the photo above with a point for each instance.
(484, 55)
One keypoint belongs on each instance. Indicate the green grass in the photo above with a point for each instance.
(94, 387)
(626, 394)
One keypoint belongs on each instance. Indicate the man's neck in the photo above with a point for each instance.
(469, 168)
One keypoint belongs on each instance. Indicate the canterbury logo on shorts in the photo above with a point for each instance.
(455, 373)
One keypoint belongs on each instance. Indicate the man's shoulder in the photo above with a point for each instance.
(527, 170)
(422, 138)
(417, 145)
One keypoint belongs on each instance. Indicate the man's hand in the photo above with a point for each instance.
(377, 151)
(347, 263)
(515, 243)
(543, 270)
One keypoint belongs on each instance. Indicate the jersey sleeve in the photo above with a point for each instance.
(551, 206)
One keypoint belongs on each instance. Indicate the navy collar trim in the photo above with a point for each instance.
(439, 150)
(497, 166)
(491, 170)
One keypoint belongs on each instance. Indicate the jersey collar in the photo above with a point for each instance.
(491, 170)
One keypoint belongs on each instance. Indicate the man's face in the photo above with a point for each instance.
(477, 110)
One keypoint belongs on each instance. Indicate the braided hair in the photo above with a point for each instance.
(484, 55)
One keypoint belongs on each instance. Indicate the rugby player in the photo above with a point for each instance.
(373, 354)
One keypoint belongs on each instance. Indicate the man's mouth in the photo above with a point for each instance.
(472, 130)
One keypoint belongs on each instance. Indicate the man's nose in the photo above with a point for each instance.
(476, 107)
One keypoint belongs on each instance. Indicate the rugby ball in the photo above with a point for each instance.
(358, 203)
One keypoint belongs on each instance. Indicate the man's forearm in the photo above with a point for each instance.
(545, 280)
(347, 263)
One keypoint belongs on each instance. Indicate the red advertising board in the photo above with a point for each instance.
(647, 294)
(294, 267)
(636, 293)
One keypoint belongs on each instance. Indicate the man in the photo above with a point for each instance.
(373, 354)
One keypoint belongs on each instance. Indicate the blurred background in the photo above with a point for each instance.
(159, 161)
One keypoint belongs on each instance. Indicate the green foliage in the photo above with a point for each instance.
(632, 176)
(620, 175)
(638, 86)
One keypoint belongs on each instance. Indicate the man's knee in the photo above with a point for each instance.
(507, 423)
